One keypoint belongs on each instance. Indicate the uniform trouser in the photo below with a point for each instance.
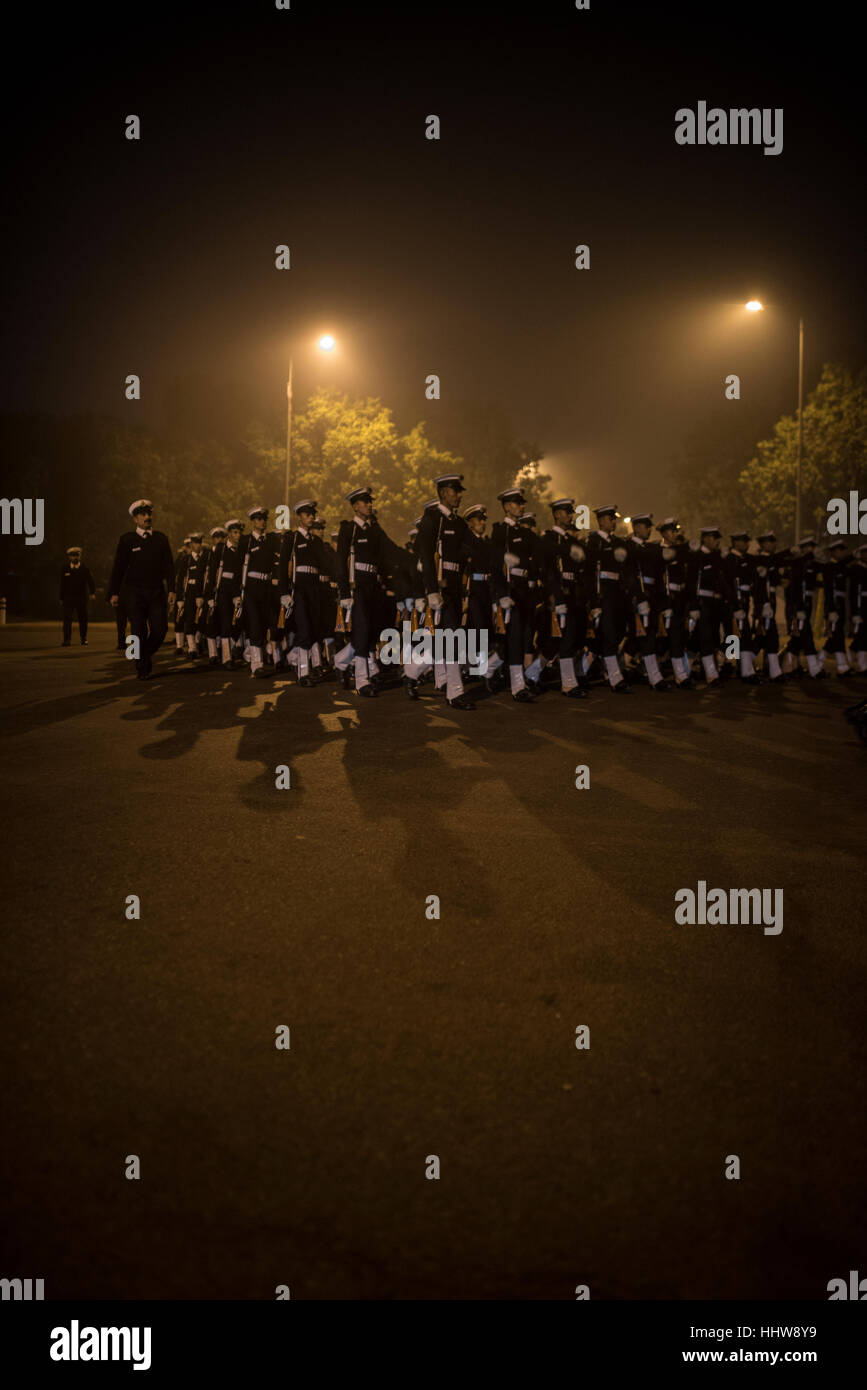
(327, 611)
(519, 626)
(192, 614)
(859, 633)
(676, 633)
(449, 643)
(366, 615)
(120, 615)
(710, 618)
(256, 618)
(610, 627)
(306, 613)
(74, 607)
(148, 619)
(478, 622)
(801, 640)
(836, 639)
(766, 637)
(570, 642)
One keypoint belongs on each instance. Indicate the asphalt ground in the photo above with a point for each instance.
(413, 1037)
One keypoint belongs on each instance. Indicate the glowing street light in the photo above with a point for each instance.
(754, 305)
(326, 343)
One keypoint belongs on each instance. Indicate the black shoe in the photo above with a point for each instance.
(369, 692)
(524, 697)
(821, 676)
(214, 661)
(461, 702)
(534, 687)
(621, 688)
(345, 677)
(688, 684)
(576, 693)
(713, 685)
(66, 644)
(411, 687)
(661, 687)
(777, 680)
(307, 682)
(260, 674)
(495, 682)
(84, 641)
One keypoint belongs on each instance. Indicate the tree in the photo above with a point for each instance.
(834, 455)
(705, 477)
(339, 444)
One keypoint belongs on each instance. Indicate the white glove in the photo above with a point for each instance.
(420, 605)
(695, 614)
(761, 571)
(211, 602)
(667, 612)
(620, 554)
(577, 552)
(740, 614)
(435, 601)
(767, 610)
(285, 600)
(346, 604)
(507, 602)
(801, 616)
(833, 619)
(856, 623)
(595, 613)
(511, 559)
(561, 610)
(644, 608)
(668, 554)
(199, 602)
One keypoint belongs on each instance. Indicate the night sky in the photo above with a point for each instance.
(456, 257)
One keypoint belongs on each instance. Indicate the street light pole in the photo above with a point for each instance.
(800, 427)
(755, 306)
(288, 430)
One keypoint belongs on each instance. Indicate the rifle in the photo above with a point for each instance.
(183, 596)
(239, 601)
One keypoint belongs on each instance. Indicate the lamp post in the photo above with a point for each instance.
(754, 306)
(325, 344)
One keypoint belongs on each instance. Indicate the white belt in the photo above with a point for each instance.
(257, 574)
(707, 593)
(227, 574)
(450, 565)
(608, 574)
(480, 578)
(567, 574)
(306, 569)
(675, 588)
(366, 569)
(647, 579)
(522, 574)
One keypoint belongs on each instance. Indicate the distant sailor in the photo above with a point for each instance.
(76, 585)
